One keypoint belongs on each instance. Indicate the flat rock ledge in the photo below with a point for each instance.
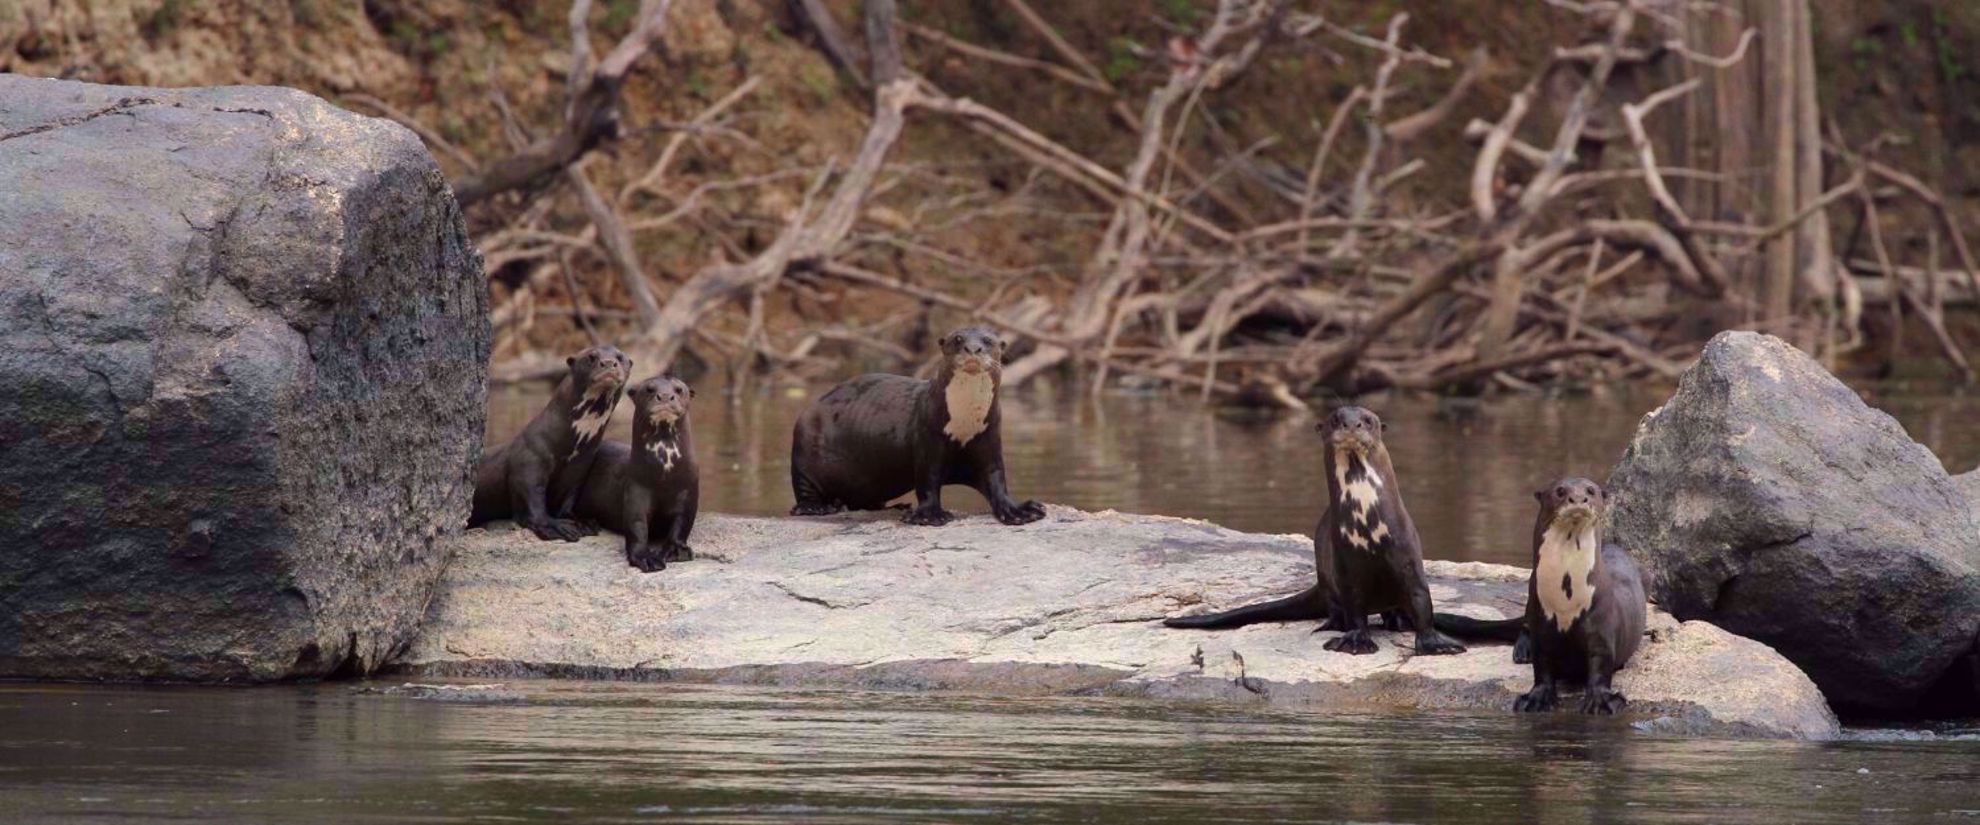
(1068, 605)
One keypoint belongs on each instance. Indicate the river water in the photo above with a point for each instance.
(609, 752)
(621, 752)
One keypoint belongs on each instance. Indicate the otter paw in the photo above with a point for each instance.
(813, 508)
(928, 517)
(647, 559)
(1537, 700)
(586, 527)
(1599, 702)
(1353, 643)
(557, 529)
(1025, 513)
(678, 552)
(1437, 644)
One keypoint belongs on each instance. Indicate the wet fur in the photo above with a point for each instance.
(877, 437)
(649, 491)
(1367, 554)
(535, 477)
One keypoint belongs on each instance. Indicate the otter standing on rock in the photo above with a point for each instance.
(1366, 552)
(649, 492)
(1585, 609)
(876, 437)
(547, 463)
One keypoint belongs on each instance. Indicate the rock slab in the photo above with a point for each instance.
(1071, 604)
(243, 349)
(1765, 497)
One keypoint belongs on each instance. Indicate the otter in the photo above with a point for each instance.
(1367, 554)
(649, 491)
(547, 462)
(1585, 609)
(875, 437)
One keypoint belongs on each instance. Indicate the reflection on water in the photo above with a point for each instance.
(1467, 470)
(614, 752)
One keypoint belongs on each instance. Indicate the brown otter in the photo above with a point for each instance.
(649, 491)
(1585, 609)
(876, 437)
(534, 478)
(1366, 551)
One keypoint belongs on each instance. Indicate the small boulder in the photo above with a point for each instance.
(1765, 497)
(243, 349)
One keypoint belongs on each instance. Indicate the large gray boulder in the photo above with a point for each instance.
(243, 347)
(1069, 605)
(1765, 497)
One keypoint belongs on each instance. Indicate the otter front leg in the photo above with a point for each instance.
(569, 480)
(990, 482)
(675, 526)
(640, 553)
(928, 512)
(1429, 642)
(1601, 699)
(1544, 696)
(527, 490)
(1353, 620)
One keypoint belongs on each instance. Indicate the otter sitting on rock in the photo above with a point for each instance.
(877, 437)
(1366, 551)
(1585, 609)
(534, 478)
(650, 491)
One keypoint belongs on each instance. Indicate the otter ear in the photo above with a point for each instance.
(948, 344)
(1540, 495)
(570, 361)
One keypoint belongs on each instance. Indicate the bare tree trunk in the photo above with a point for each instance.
(1756, 126)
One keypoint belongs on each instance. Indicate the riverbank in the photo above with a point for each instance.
(1067, 606)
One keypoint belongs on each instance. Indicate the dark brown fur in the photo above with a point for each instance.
(1603, 638)
(1370, 563)
(649, 491)
(535, 478)
(877, 437)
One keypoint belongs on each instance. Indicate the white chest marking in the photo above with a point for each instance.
(969, 398)
(588, 426)
(1360, 495)
(1567, 556)
(666, 452)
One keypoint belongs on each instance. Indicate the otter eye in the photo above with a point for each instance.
(1561, 491)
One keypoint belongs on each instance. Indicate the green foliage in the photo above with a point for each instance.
(1123, 59)
(619, 13)
(162, 20)
(1949, 65)
(821, 82)
(1185, 12)
(1864, 52)
(697, 84)
(307, 13)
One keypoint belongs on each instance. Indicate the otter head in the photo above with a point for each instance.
(1572, 503)
(1352, 429)
(973, 350)
(599, 370)
(661, 400)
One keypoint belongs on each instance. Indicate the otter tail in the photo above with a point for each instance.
(1308, 604)
(1495, 630)
(1501, 630)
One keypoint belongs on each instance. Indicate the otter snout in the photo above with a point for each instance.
(974, 363)
(661, 400)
